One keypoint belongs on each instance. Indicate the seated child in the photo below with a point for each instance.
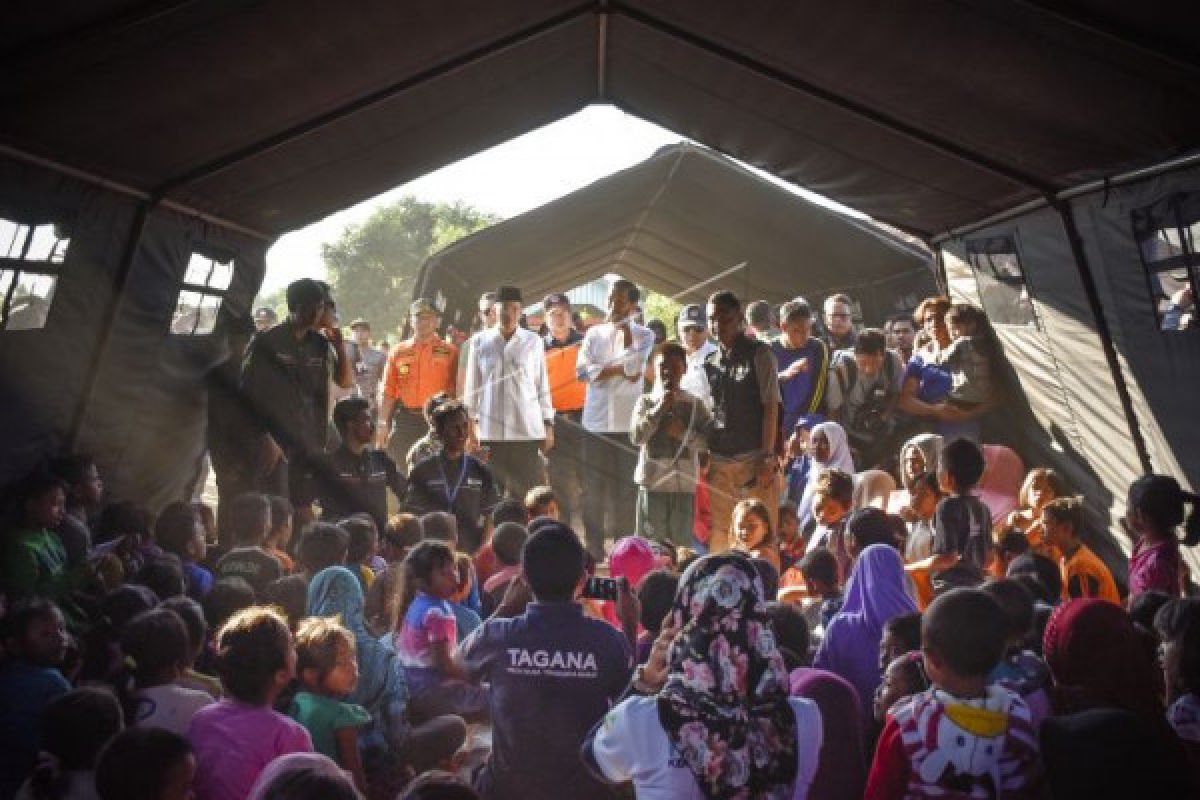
(75, 727)
(235, 738)
(402, 534)
(507, 510)
(1041, 485)
(33, 560)
(322, 546)
(541, 502)
(1020, 670)
(1083, 573)
(306, 776)
(903, 676)
(156, 648)
(35, 643)
(868, 526)
(146, 764)
(820, 594)
(752, 532)
(280, 535)
(1009, 545)
(901, 635)
(250, 519)
(163, 575)
(791, 634)
(507, 542)
(832, 502)
(362, 547)
(442, 526)
(924, 497)
(197, 627)
(962, 738)
(428, 634)
(791, 542)
(327, 668)
(180, 532)
(962, 538)
(124, 532)
(1178, 623)
(290, 595)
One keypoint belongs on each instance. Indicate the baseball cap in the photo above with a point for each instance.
(360, 323)
(691, 317)
(422, 305)
(555, 299)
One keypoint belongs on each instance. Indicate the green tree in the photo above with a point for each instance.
(373, 266)
(660, 307)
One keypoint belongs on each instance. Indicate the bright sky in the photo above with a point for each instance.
(506, 180)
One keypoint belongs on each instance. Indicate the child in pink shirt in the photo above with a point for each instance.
(237, 737)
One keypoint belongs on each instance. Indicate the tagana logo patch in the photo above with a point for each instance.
(552, 662)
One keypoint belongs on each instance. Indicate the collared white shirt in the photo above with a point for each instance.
(609, 404)
(507, 391)
(695, 378)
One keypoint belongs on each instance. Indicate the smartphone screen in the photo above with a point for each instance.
(598, 588)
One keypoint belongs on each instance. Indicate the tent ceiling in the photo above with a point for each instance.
(274, 113)
(673, 223)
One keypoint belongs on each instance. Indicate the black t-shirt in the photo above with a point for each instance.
(962, 524)
(466, 490)
(256, 565)
(554, 674)
(286, 383)
(350, 484)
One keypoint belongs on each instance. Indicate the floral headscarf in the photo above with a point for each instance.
(725, 702)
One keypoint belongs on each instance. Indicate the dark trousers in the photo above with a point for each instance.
(610, 500)
(516, 466)
(566, 464)
(407, 427)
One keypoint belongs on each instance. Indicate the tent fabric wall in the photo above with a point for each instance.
(145, 423)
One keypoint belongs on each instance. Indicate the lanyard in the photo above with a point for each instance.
(462, 473)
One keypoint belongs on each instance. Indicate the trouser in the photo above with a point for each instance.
(731, 480)
(516, 466)
(609, 463)
(666, 515)
(407, 427)
(566, 464)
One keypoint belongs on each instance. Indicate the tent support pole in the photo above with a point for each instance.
(108, 322)
(1067, 215)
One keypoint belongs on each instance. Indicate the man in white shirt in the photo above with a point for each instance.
(487, 321)
(693, 335)
(507, 395)
(612, 361)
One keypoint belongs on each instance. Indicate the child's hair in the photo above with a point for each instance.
(346, 409)
(75, 727)
(967, 629)
(752, 505)
(439, 785)
(137, 762)
(656, 593)
(1066, 510)
(538, 500)
(963, 461)
(1017, 604)
(250, 518)
(507, 543)
(819, 565)
(324, 545)
(281, 510)
(70, 469)
(363, 535)
(251, 647)
(175, 528)
(39, 484)
(1044, 571)
(163, 576)
(289, 594)
(155, 644)
(16, 623)
(1143, 608)
(1047, 474)
(227, 597)
(305, 776)
(1179, 622)
(1012, 543)
(905, 629)
(509, 509)
(984, 338)
(870, 526)
(927, 480)
(318, 640)
(791, 633)
(419, 566)
(837, 485)
(553, 561)
(403, 531)
(439, 526)
(120, 519)
(193, 619)
(912, 668)
(1161, 500)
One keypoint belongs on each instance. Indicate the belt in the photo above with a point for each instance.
(574, 416)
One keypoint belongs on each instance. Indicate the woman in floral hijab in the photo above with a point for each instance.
(722, 725)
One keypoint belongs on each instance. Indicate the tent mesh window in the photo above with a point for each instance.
(1001, 281)
(30, 259)
(204, 286)
(1167, 233)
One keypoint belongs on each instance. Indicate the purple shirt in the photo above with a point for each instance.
(234, 742)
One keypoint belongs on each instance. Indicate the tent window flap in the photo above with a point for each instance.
(1167, 232)
(30, 258)
(204, 285)
(1001, 280)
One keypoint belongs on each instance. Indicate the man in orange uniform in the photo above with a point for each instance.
(567, 393)
(417, 369)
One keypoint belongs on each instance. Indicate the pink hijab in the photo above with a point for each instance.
(1001, 481)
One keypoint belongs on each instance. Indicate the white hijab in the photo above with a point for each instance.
(839, 458)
